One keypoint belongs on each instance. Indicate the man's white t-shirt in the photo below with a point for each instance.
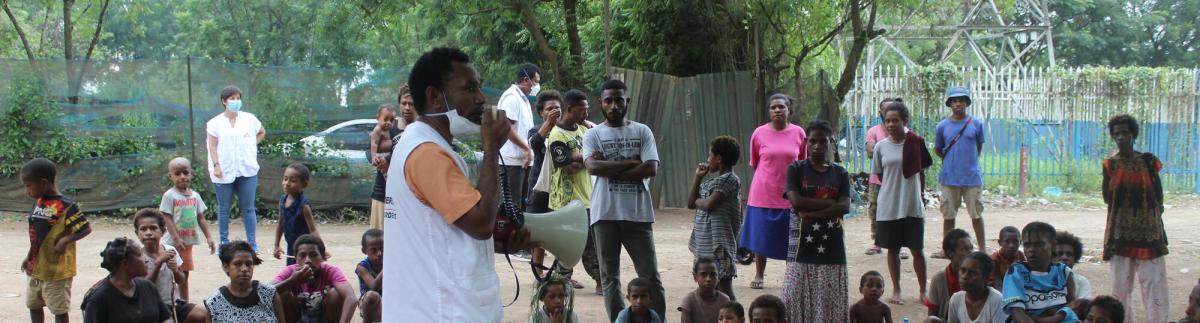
(516, 106)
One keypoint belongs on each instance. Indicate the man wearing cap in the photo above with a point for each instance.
(958, 142)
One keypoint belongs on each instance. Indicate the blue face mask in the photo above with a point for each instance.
(234, 105)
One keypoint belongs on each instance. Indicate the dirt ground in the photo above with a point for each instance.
(672, 231)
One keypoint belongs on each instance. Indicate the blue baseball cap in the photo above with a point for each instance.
(957, 91)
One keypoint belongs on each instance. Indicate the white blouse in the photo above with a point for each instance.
(237, 146)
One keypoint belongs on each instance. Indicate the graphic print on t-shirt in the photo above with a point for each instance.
(185, 211)
(620, 149)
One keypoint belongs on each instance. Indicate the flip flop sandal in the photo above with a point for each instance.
(756, 284)
(873, 251)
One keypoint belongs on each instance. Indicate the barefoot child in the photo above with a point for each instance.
(369, 271)
(557, 300)
(312, 289)
(901, 159)
(1009, 253)
(638, 295)
(869, 309)
(717, 209)
(164, 266)
(1106, 309)
(1135, 242)
(295, 215)
(55, 224)
(703, 304)
(185, 213)
(1039, 289)
(768, 309)
(945, 283)
(732, 312)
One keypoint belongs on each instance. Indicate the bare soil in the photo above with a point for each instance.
(672, 231)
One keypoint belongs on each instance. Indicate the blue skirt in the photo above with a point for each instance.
(765, 232)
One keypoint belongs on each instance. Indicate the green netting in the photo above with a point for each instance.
(112, 126)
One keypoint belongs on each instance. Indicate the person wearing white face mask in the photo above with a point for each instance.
(516, 156)
(233, 138)
(437, 226)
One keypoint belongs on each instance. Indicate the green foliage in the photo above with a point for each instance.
(33, 127)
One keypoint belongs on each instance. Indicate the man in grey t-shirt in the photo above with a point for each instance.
(623, 156)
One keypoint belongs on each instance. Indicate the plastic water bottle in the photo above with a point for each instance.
(905, 320)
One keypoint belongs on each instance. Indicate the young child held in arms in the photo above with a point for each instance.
(557, 301)
(1106, 309)
(185, 213)
(295, 215)
(164, 265)
(869, 309)
(704, 303)
(1068, 250)
(369, 272)
(638, 295)
(1009, 253)
(768, 309)
(1039, 289)
(313, 290)
(55, 224)
(732, 312)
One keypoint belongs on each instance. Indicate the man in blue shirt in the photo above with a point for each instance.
(958, 142)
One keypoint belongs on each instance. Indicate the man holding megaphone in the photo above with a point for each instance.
(438, 227)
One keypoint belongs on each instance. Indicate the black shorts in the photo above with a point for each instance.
(182, 309)
(906, 232)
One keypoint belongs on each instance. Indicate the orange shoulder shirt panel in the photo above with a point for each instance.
(435, 179)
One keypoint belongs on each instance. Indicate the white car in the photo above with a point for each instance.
(348, 140)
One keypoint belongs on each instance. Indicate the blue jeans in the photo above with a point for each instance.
(244, 188)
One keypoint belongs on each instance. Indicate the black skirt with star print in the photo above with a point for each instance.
(819, 242)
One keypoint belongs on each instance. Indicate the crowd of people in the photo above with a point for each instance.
(441, 226)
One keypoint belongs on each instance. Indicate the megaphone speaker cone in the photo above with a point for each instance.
(562, 232)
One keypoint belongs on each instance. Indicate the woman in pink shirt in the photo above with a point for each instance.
(773, 147)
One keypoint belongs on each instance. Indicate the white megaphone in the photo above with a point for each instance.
(562, 232)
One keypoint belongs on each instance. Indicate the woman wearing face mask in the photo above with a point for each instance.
(233, 138)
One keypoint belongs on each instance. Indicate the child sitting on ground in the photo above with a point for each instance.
(295, 215)
(557, 301)
(1192, 312)
(768, 309)
(732, 312)
(1009, 253)
(638, 295)
(312, 289)
(1039, 289)
(185, 213)
(1106, 309)
(704, 303)
(369, 270)
(55, 224)
(163, 265)
(1068, 250)
(869, 308)
(955, 246)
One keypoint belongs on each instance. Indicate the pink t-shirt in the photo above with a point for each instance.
(770, 154)
(330, 276)
(874, 135)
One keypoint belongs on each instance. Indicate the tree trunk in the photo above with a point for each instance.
(574, 46)
(69, 51)
(20, 33)
(530, 23)
(87, 57)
